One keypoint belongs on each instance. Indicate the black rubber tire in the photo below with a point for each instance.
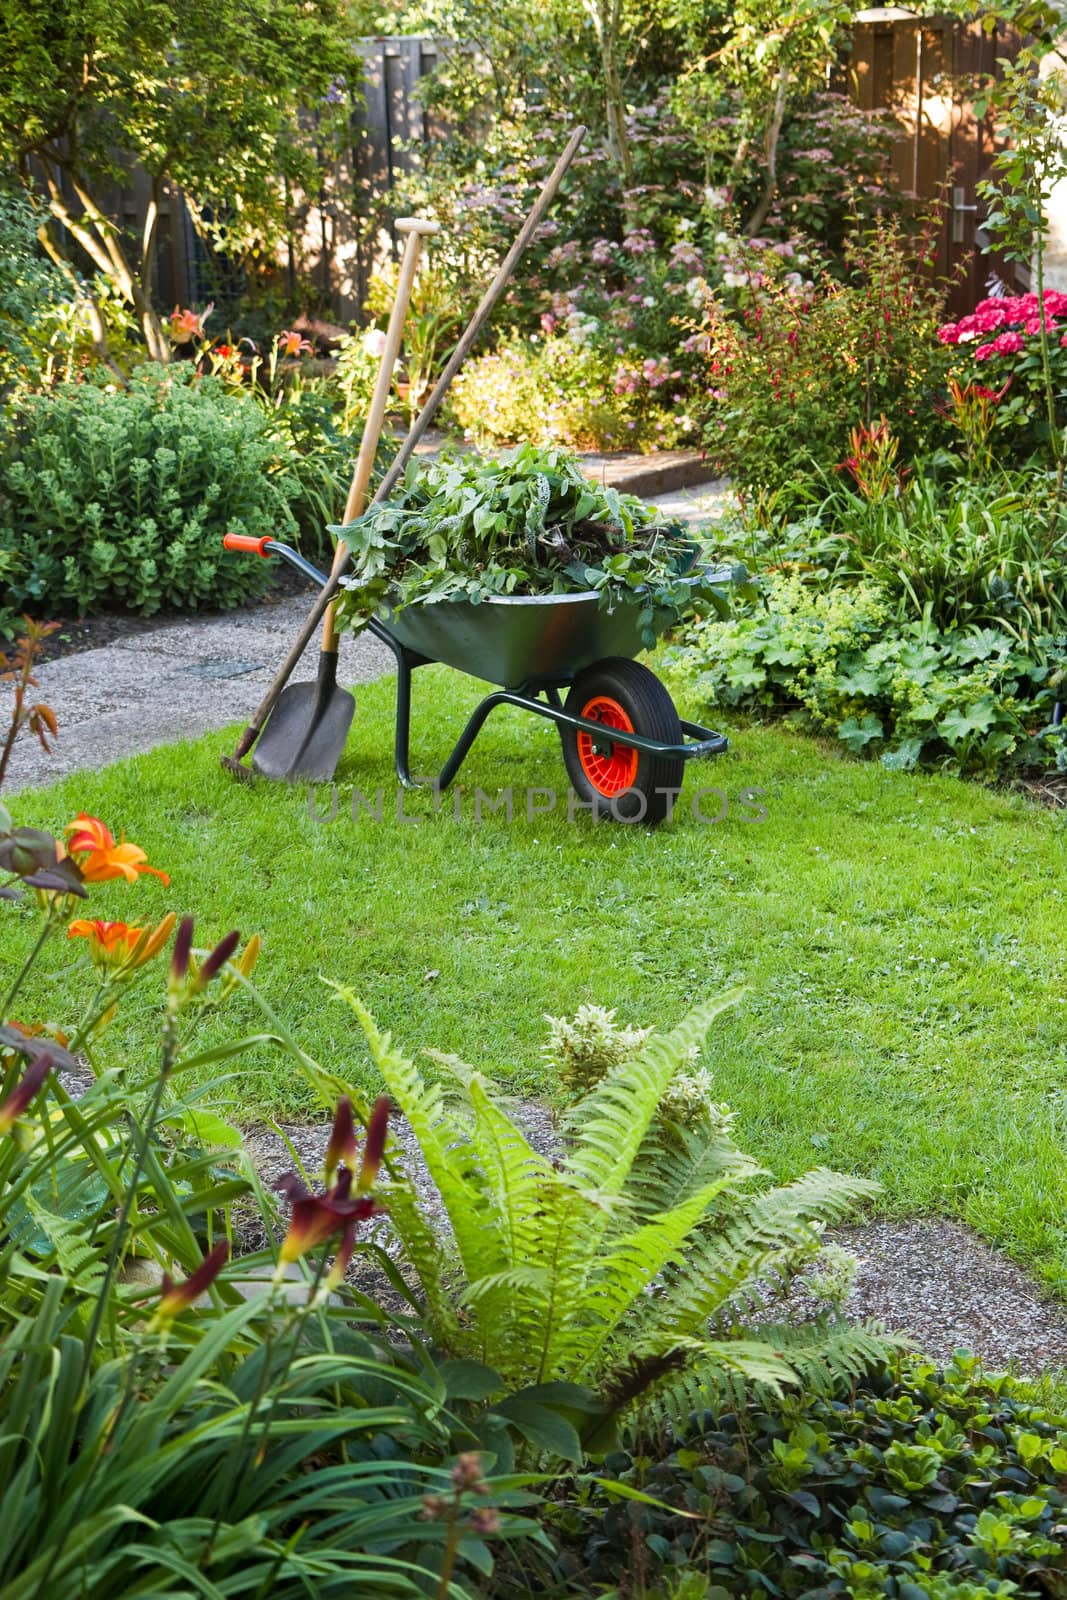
(652, 714)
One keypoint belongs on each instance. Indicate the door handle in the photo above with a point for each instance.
(959, 210)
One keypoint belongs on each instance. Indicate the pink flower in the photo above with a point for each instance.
(188, 325)
(984, 352)
(1008, 344)
(374, 342)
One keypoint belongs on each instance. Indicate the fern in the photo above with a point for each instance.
(621, 1265)
(80, 1262)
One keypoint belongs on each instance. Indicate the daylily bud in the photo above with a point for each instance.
(214, 963)
(177, 1297)
(373, 1150)
(342, 1145)
(183, 946)
(25, 1091)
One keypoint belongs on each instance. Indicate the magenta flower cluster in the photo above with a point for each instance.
(1012, 319)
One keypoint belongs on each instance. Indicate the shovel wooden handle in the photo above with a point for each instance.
(416, 229)
(418, 428)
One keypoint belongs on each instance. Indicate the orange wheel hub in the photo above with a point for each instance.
(614, 771)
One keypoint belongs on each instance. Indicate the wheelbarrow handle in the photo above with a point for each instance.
(247, 545)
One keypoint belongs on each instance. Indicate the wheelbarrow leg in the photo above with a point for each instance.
(402, 741)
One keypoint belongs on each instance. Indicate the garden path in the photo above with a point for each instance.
(178, 680)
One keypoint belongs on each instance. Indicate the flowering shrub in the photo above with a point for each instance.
(794, 369)
(556, 389)
(997, 347)
(969, 699)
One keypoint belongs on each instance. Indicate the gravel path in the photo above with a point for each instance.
(928, 1278)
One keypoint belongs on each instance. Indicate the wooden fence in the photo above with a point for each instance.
(921, 69)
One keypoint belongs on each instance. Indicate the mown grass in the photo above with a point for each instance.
(903, 937)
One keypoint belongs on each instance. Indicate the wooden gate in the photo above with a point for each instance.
(923, 69)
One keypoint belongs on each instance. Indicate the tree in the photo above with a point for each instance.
(774, 52)
(204, 94)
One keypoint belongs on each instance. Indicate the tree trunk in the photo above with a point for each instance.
(770, 152)
(97, 324)
(99, 239)
(606, 16)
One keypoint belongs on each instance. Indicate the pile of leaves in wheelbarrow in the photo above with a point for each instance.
(528, 523)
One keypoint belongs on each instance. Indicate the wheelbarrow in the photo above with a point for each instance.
(624, 745)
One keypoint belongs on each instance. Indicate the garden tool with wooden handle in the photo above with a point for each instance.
(308, 728)
(234, 764)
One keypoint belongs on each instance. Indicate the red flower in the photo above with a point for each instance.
(315, 1218)
(25, 1091)
(177, 1297)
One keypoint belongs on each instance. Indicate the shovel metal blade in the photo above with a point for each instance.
(308, 728)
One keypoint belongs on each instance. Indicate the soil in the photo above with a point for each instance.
(77, 634)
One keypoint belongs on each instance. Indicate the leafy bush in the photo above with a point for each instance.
(918, 1484)
(29, 285)
(953, 551)
(529, 523)
(971, 699)
(794, 370)
(550, 1282)
(122, 497)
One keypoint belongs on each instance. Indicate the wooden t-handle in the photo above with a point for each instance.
(416, 229)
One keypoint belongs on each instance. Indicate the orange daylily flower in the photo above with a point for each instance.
(291, 343)
(103, 858)
(116, 946)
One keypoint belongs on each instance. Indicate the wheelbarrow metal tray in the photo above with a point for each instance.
(517, 639)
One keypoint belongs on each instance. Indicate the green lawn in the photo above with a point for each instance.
(903, 937)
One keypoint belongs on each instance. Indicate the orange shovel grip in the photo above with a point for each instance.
(246, 543)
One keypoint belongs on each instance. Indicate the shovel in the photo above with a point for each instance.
(308, 728)
(234, 764)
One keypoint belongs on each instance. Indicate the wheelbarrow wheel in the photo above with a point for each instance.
(616, 780)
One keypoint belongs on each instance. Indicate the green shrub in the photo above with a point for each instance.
(794, 369)
(920, 1485)
(121, 498)
(29, 286)
(954, 552)
(969, 698)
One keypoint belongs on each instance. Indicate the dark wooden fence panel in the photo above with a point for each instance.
(923, 69)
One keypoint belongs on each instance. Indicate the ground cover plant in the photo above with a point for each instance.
(910, 1483)
(902, 936)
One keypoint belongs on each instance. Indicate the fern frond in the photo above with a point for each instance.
(607, 1127)
(732, 1254)
(425, 1253)
(515, 1172)
(80, 1263)
(817, 1355)
(674, 1162)
(448, 1163)
(624, 1273)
